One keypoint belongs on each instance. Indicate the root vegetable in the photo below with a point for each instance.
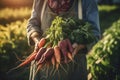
(53, 60)
(46, 56)
(42, 42)
(24, 63)
(70, 48)
(70, 56)
(63, 46)
(39, 53)
(57, 55)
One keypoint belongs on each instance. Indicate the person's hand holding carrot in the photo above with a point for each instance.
(77, 47)
(36, 38)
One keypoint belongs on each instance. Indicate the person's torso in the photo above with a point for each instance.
(49, 14)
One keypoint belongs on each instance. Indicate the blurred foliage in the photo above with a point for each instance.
(107, 8)
(13, 40)
(104, 58)
(15, 3)
(11, 35)
(7, 13)
(108, 14)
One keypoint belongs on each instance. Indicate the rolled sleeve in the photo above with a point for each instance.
(31, 30)
(34, 23)
(92, 15)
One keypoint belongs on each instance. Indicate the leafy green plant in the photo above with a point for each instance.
(75, 29)
(15, 13)
(12, 41)
(104, 58)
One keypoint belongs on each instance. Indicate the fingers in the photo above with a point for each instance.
(77, 48)
(35, 37)
(75, 45)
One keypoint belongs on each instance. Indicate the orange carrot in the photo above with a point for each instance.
(46, 56)
(70, 48)
(53, 60)
(70, 56)
(42, 42)
(27, 61)
(40, 53)
(24, 63)
(57, 55)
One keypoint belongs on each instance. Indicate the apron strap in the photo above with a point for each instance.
(43, 9)
(80, 9)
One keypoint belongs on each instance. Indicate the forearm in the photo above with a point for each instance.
(35, 36)
(92, 16)
(34, 31)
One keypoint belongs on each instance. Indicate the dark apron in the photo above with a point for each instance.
(75, 70)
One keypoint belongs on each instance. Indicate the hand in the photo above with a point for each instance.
(36, 48)
(35, 37)
(77, 47)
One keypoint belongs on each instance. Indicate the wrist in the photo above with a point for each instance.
(35, 36)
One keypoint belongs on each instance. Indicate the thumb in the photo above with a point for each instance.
(77, 48)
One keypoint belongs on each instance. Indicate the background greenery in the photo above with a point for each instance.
(104, 58)
(13, 41)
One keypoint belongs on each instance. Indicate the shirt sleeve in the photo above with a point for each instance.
(34, 23)
(91, 14)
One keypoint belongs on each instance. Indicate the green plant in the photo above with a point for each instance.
(104, 58)
(15, 13)
(12, 41)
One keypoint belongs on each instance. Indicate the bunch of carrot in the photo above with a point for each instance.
(56, 45)
(53, 53)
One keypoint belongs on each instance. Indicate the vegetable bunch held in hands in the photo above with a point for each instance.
(56, 45)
